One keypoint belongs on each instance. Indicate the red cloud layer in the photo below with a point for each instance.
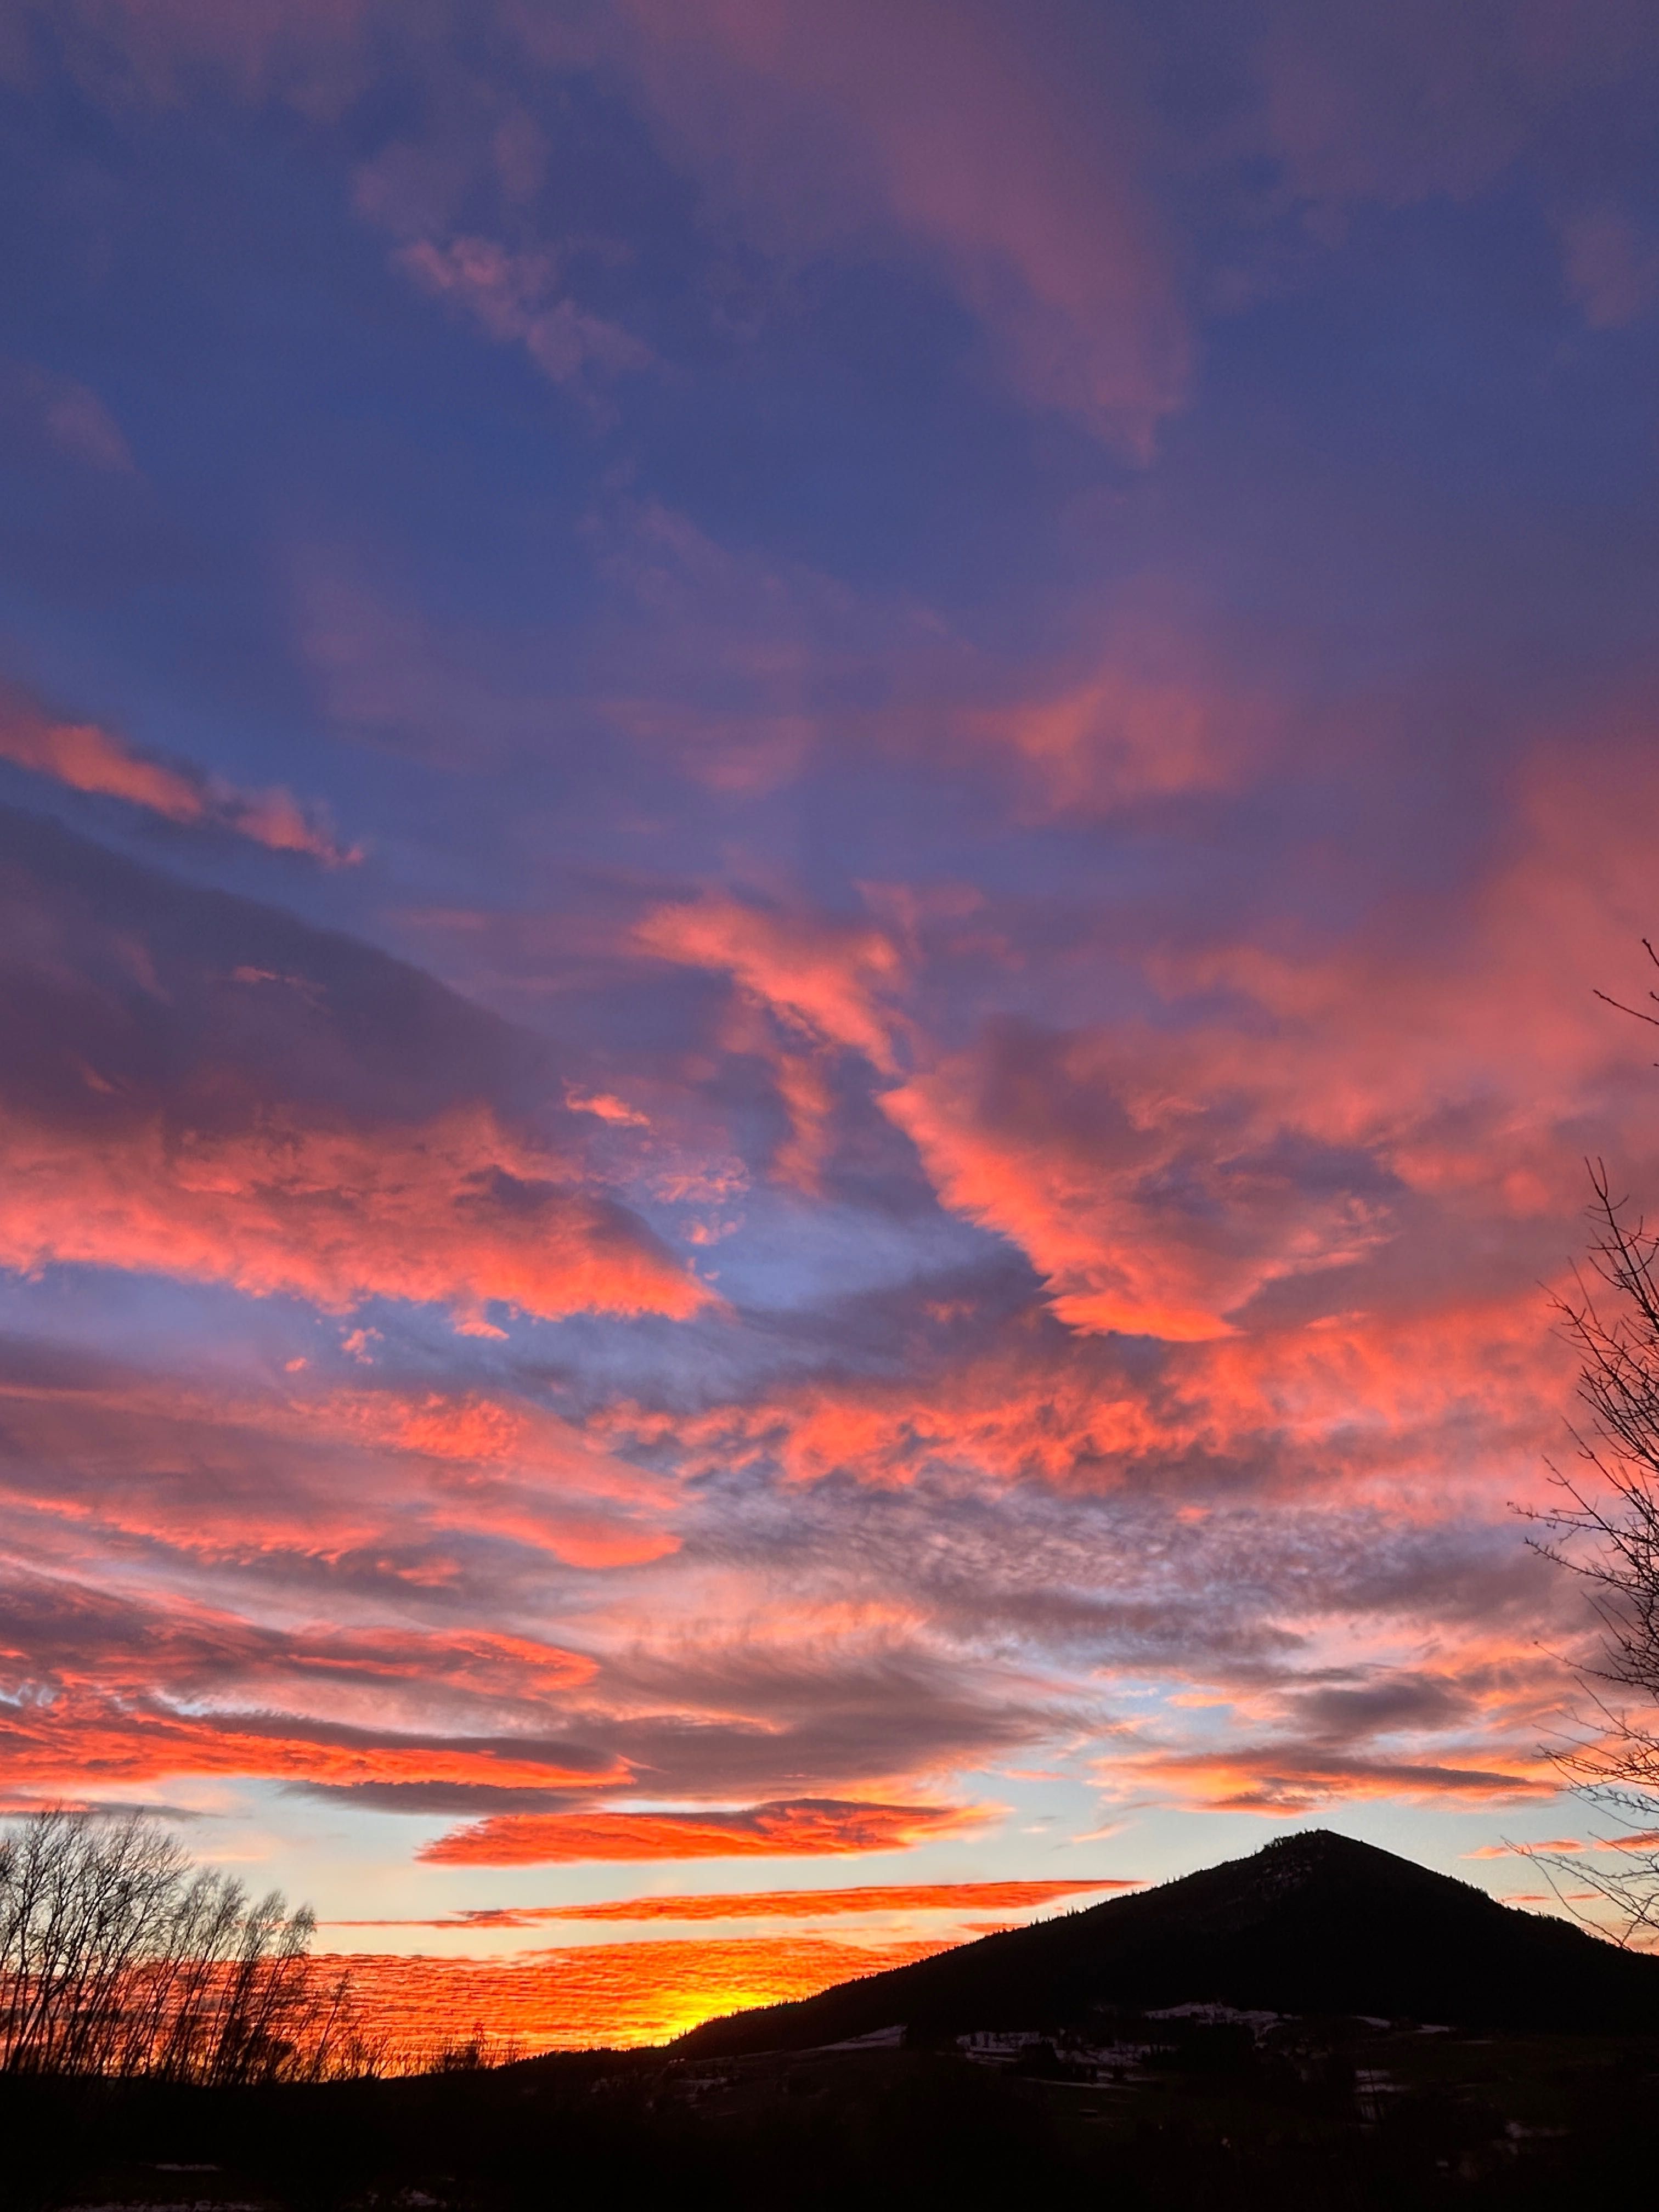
(807, 1827)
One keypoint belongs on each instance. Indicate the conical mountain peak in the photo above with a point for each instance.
(1313, 1922)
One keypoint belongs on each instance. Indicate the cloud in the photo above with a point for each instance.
(954, 1896)
(323, 1490)
(1151, 1202)
(310, 53)
(89, 758)
(1400, 106)
(818, 976)
(1611, 269)
(803, 1827)
(807, 989)
(1282, 1779)
(456, 1213)
(511, 297)
(1145, 709)
(945, 125)
(39, 408)
(1524, 1851)
(202, 1089)
(1646, 1839)
(102, 1739)
(111, 1688)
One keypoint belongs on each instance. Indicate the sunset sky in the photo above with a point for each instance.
(808, 809)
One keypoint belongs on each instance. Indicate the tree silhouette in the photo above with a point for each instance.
(116, 1957)
(1605, 1529)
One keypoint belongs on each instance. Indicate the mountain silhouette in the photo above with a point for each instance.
(1313, 1922)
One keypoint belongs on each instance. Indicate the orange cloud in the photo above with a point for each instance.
(1525, 1851)
(385, 1474)
(1404, 1392)
(456, 1213)
(1074, 1147)
(1285, 1779)
(606, 1109)
(777, 1904)
(820, 978)
(89, 758)
(1645, 1839)
(1266, 1139)
(807, 1827)
(806, 990)
(480, 1660)
(88, 1739)
(1143, 718)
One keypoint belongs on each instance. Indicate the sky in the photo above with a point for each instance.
(807, 819)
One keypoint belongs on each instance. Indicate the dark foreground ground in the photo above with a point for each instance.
(1303, 2115)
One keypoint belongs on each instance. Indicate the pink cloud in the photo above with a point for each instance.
(456, 1213)
(64, 414)
(407, 1477)
(89, 758)
(1611, 269)
(944, 123)
(308, 52)
(1399, 103)
(1286, 1780)
(279, 1144)
(1646, 1839)
(822, 978)
(806, 988)
(513, 298)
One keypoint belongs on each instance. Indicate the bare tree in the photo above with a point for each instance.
(1605, 1529)
(116, 1958)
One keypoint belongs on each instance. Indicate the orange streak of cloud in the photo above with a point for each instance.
(804, 1827)
(776, 1904)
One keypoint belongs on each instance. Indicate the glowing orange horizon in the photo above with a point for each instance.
(604, 1994)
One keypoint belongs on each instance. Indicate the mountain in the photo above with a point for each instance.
(1313, 1923)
